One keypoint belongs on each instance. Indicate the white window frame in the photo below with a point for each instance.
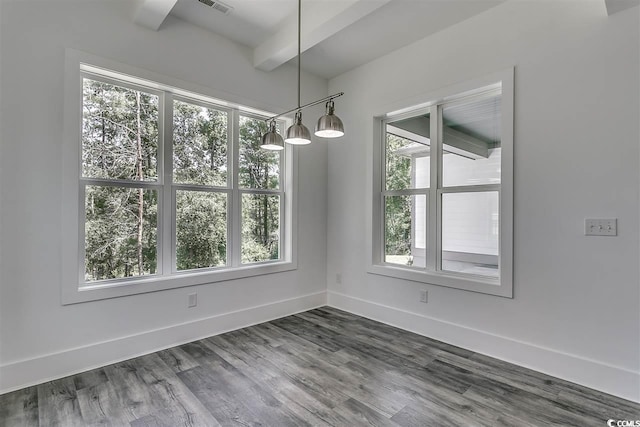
(74, 289)
(432, 274)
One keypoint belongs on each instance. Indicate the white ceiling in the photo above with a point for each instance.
(397, 24)
(249, 23)
(338, 35)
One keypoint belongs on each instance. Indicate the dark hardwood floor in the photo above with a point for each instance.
(321, 367)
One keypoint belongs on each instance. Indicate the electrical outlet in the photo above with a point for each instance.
(424, 296)
(193, 300)
(338, 278)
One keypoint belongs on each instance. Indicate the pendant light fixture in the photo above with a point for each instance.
(298, 134)
(328, 126)
(272, 139)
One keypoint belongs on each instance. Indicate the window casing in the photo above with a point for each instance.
(443, 188)
(216, 200)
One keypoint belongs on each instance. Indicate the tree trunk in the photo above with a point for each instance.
(139, 176)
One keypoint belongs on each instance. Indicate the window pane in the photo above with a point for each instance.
(120, 233)
(471, 138)
(119, 132)
(260, 228)
(258, 168)
(407, 145)
(405, 230)
(201, 229)
(470, 225)
(199, 145)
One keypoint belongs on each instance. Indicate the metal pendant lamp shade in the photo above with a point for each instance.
(298, 134)
(272, 139)
(329, 125)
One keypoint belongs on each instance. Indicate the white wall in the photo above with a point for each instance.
(39, 337)
(576, 310)
(575, 313)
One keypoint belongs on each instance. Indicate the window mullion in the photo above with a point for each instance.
(470, 188)
(283, 164)
(234, 208)
(283, 219)
(379, 186)
(82, 215)
(200, 187)
(433, 217)
(406, 192)
(289, 169)
(261, 191)
(166, 235)
(106, 182)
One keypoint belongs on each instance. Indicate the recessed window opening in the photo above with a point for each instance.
(442, 210)
(153, 161)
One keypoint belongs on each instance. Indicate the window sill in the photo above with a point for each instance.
(134, 286)
(483, 285)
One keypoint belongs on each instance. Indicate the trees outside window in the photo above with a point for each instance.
(119, 148)
(259, 176)
(222, 197)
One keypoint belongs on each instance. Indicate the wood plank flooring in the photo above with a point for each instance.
(324, 367)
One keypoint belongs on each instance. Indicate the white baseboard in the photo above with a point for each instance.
(28, 372)
(590, 373)
(601, 376)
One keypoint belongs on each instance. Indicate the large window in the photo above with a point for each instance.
(442, 207)
(174, 189)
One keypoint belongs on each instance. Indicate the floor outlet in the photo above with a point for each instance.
(424, 296)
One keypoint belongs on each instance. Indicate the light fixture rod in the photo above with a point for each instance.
(299, 41)
(311, 104)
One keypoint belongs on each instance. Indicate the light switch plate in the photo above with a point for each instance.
(601, 227)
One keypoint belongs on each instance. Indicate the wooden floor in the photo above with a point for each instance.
(322, 367)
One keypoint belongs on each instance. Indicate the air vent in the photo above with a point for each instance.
(217, 5)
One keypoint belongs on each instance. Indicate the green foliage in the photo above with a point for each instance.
(260, 213)
(258, 168)
(111, 229)
(201, 229)
(110, 130)
(398, 209)
(260, 227)
(200, 158)
(199, 145)
(397, 225)
(398, 167)
(120, 142)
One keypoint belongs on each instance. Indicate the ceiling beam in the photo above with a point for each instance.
(152, 13)
(615, 6)
(320, 20)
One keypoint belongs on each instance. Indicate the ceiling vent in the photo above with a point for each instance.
(217, 5)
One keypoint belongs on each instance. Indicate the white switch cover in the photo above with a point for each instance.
(601, 227)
